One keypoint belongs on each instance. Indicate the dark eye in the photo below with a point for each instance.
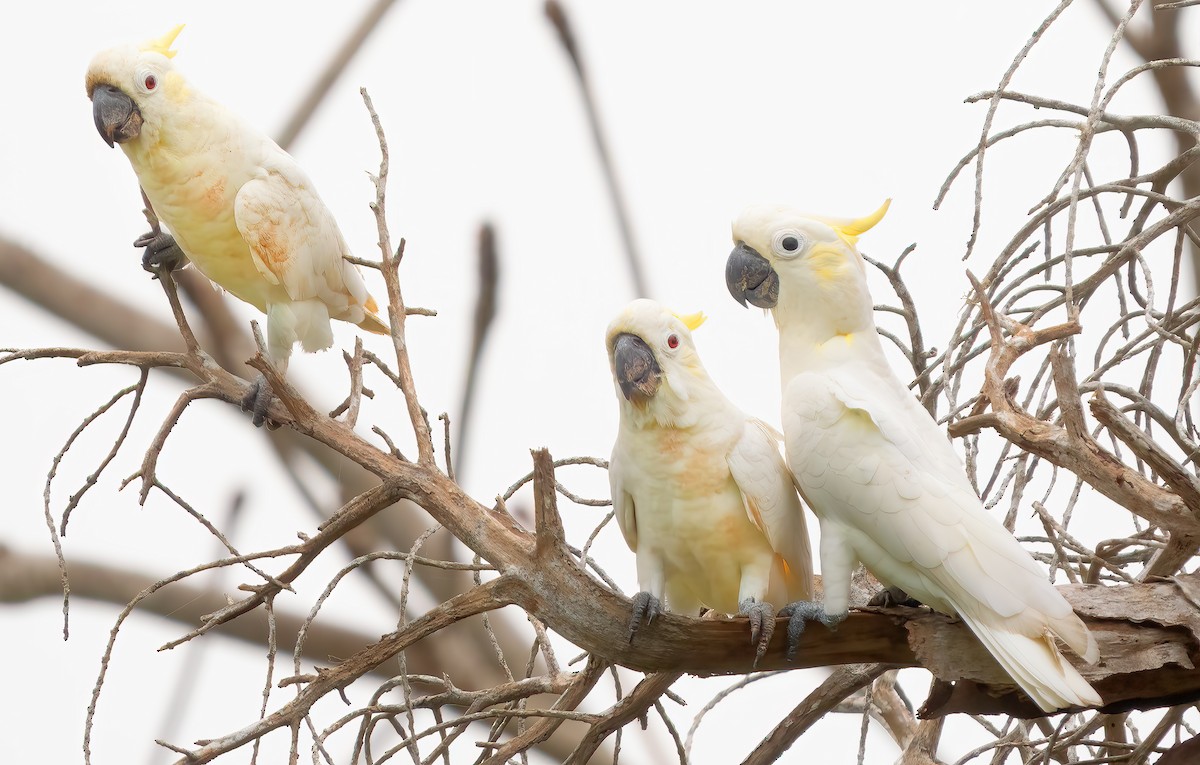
(673, 341)
(151, 82)
(788, 243)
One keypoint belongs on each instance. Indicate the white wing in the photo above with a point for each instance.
(623, 507)
(771, 501)
(867, 455)
(295, 241)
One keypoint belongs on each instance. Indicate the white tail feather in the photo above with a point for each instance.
(1038, 667)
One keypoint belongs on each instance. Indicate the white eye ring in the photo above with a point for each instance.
(148, 80)
(789, 243)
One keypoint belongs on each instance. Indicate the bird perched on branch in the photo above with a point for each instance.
(699, 489)
(881, 476)
(239, 207)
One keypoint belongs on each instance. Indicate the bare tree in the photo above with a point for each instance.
(1068, 381)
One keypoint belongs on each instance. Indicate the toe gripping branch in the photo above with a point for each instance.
(762, 625)
(645, 606)
(161, 252)
(257, 401)
(801, 612)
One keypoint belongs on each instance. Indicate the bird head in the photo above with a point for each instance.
(782, 255)
(131, 86)
(653, 359)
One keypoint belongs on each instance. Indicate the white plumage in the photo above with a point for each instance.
(700, 490)
(879, 473)
(241, 209)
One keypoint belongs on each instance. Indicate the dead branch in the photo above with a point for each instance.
(483, 598)
(1027, 426)
(485, 314)
(558, 17)
(25, 577)
(350, 47)
(842, 682)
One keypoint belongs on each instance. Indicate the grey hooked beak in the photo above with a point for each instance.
(750, 277)
(636, 369)
(117, 116)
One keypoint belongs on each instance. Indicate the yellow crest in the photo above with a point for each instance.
(850, 230)
(163, 44)
(691, 320)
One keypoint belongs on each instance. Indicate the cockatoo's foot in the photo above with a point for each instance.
(890, 597)
(645, 606)
(762, 625)
(161, 252)
(805, 611)
(256, 401)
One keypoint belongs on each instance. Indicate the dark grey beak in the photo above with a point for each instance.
(117, 117)
(750, 277)
(636, 369)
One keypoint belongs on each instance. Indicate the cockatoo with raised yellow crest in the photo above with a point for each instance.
(884, 481)
(699, 489)
(239, 207)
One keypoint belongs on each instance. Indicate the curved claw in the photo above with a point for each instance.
(161, 252)
(891, 597)
(645, 606)
(798, 614)
(762, 625)
(257, 400)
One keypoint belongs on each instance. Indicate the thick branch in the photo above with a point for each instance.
(81, 304)
(25, 577)
(840, 684)
(550, 584)
(1181, 481)
(625, 711)
(1068, 447)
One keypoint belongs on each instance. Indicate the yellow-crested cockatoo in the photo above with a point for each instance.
(700, 489)
(881, 476)
(239, 207)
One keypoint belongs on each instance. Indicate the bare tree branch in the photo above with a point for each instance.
(350, 47)
(562, 25)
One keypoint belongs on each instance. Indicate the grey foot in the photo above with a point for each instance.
(645, 606)
(890, 597)
(762, 625)
(798, 614)
(256, 401)
(161, 252)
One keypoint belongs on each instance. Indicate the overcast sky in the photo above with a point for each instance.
(831, 107)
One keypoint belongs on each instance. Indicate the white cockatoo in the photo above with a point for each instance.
(239, 207)
(883, 479)
(700, 489)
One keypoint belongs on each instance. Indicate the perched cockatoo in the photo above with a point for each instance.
(240, 208)
(700, 490)
(880, 474)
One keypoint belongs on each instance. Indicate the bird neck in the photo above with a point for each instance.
(187, 129)
(825, 325)
(684, 398)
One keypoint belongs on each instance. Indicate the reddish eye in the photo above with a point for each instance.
(673, 341)
(151, 82)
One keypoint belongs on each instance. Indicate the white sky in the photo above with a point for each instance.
(828, 106)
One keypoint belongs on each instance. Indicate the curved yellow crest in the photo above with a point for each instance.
(163, 44)
(851, 230)
(691, 320)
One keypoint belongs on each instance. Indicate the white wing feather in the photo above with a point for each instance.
(871, 460)
(770, 498)
(295, 242)
(623, 507)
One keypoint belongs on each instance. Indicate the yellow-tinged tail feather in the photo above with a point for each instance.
(374, 324)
